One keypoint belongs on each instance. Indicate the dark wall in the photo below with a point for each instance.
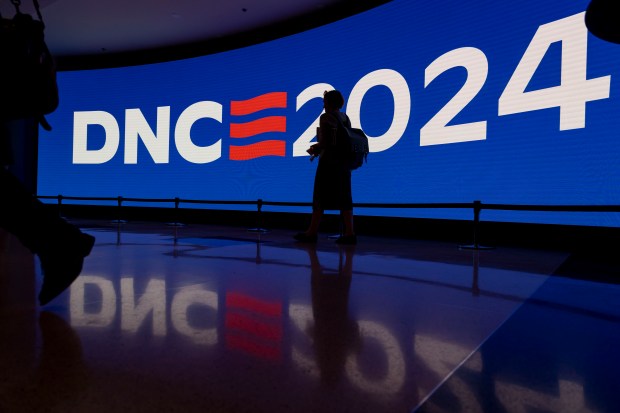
(18, 141)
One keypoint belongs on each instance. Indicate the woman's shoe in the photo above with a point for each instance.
(347, 240)
(303, 237)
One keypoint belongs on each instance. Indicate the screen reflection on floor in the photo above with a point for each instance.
(227, 319)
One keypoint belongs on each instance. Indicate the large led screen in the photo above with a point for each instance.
(501, 102)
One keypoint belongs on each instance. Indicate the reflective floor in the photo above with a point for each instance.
(219, 319)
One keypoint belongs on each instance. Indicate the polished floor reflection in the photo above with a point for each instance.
(219, 319)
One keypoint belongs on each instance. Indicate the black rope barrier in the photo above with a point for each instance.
(554, 208)
(476, 206)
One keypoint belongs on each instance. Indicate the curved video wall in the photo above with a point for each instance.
(511, 103)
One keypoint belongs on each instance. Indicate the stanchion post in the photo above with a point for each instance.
(59, 205)
(176, 222)
(259, 218)
(120, 206)
(259, 213)
(477, 206)
(177, 201)
(119, 202)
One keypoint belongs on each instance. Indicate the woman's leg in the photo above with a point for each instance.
(347, 218)
(311, 234)
(315, 222)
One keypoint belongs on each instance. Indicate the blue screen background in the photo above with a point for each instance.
(525, 158)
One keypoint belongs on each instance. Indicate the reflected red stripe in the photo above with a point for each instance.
(266, 101)
(253, 348)
(258, 126)
(246, 302)
(256, 150)
(266, 331)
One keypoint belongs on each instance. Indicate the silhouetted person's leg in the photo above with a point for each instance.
(61, 247)
(349, 237)
(315, 222)
(347, 218)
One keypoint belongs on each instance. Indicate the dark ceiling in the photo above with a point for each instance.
(95, 33)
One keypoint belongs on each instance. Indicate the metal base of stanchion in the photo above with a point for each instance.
(260, 230)
(175, 224)
(118, 221)
(475, 247)
(335, 236)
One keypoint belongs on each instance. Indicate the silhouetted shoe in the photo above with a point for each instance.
(347, 240)
(62, 264)
(303, 237)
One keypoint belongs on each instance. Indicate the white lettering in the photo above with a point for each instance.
(186, 297)
(81, 153)
(397, 85)
(187, 149)
(157, 144)
(77, 305)
(153, 300)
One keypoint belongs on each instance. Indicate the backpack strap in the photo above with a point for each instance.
(338, 116)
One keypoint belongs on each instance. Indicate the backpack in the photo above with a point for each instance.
(353, 144)
(27, 72)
